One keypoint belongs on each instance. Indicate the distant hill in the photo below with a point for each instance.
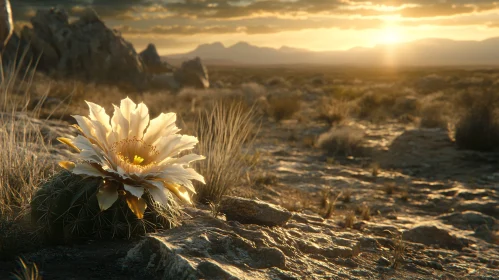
(426, 52)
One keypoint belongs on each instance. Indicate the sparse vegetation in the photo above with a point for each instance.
(333, 111)
(398, 252)
(368, 119)
(349, 220)
(390, 188)
(283, 106)
(221, 131)
(342, 141)
(364, 211)
(478, 128)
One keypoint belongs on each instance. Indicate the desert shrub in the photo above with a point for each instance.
(65, 209)
(222, 129)
(478, 126)
(342, 141)
(373, 107)
(431, 83)
(318, 81)
(283, 106)
(278, 82)
(434, 115)
(406, 105)
(333, 111)
(478, 129)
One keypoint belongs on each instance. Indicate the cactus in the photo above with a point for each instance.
(65, 209)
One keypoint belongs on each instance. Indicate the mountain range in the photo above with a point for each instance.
(425, 52)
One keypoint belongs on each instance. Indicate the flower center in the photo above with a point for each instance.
(133, 151)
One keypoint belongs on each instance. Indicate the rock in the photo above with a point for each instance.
(432, 235)
(164, 81)
(152, 60)
(488, 207)
(86, 49)
(193, 73)
(6, 23)
(382, 261)
(206, 248)
(469, 219)
(249, 211)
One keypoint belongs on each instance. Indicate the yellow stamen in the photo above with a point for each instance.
(137, 160)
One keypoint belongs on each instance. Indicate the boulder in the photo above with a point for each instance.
(249, 211)
(164, 80)
(193, 73)
(432, 235)
(153, 62)
(85, 49)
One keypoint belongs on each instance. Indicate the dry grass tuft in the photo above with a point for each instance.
(222, 130)
(26, 271)
(346, 196)
(283, 106)
(398, 252)
(342, 141)
(24, 156)
(375, 169)
(333, 111)
(349, 220)
(390, 188)
(328, 203)
(364, 212)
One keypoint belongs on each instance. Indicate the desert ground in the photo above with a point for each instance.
(336, 173)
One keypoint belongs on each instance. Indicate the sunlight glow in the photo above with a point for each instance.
(390, 36)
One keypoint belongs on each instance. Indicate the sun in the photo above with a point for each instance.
(390, 36)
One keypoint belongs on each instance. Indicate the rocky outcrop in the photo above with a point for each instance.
(153, 62)
(85, 49)
(193, 73)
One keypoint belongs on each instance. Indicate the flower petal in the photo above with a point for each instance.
(98, 113)
(182, 160)
(139, 119)
(119, 124)
(160, 126)
(85, 125)
(171, 145)
(86, 169)
(137, 205)
(135, 191)
(107, 196)
(68, 142)
(176, 174)
(180, 192)
(126, 107)
(68, 165)
(158, 192)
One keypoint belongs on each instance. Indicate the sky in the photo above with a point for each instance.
(178, 26)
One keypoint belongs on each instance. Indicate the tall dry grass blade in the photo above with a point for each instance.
(222, 131)
(24, 155)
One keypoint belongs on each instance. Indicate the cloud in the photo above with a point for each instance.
(255, 26)
(190, 17)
